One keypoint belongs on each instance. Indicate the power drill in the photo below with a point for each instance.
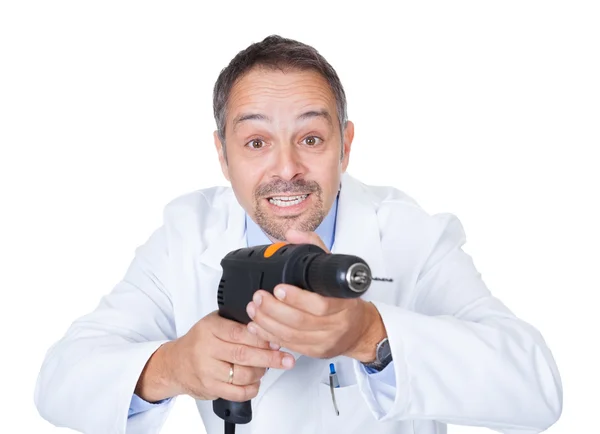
(306, 266)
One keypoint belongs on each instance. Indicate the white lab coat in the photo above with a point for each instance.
(460, 356)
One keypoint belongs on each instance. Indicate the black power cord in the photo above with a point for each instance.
(229, 428)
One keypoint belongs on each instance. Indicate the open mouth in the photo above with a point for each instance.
(285, 201)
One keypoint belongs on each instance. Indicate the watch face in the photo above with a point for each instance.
(384, 352)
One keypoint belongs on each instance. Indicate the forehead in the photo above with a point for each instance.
(272, 90)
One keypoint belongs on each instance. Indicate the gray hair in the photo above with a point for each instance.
(275, 52)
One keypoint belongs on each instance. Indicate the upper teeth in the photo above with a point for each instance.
(287, 200)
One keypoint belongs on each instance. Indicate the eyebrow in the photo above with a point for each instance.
(323, 113)
(249, 117)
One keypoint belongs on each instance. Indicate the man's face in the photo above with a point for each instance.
(284, 145)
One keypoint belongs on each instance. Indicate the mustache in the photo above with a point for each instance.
(282, 186)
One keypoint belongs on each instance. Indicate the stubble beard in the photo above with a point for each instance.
(276, 226)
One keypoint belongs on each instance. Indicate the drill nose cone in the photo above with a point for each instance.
(359, 277)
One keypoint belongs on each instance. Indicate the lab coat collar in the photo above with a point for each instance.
(356, 228)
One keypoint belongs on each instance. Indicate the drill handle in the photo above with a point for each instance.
(232, 411)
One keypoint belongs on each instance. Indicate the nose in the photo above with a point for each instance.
(288, 164)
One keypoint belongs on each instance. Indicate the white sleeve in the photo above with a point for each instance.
(460, 356)
(88, 377)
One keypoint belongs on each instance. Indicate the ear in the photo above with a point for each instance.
(348, 137)
(222, 156)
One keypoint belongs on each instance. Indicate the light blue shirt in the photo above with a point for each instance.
(256, 237)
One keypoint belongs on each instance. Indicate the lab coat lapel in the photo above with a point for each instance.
(227, 231)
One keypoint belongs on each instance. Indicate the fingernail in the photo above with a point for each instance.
(257, 299)
(279, 293)
(288, 362)
(251, 329)
(274, 346)
(251, 311)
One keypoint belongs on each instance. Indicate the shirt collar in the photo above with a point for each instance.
(326, 230)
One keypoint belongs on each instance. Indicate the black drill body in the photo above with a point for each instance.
(264, 267)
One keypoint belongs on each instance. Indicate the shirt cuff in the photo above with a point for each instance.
(139, 405)
(386, 375)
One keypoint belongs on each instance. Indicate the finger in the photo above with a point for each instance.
(254, 357)
(295, 236)
(310, 302)
(236, 333)
(256, 329)
(242, 375)
(283, 313)
(279, 333)
(307, 345)
(234, 393)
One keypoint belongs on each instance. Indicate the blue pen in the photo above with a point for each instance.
(333, 384)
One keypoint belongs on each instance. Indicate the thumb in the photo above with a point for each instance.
(295, 236)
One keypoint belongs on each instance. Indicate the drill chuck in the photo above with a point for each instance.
(335, 275)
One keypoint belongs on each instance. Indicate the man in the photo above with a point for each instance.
(431, 348)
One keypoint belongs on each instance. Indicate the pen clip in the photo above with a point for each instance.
(333, 383)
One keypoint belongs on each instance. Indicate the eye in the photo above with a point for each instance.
(255, 143)
(312, 141)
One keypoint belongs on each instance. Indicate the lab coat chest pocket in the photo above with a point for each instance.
(354, 414)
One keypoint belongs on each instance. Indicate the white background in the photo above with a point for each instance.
(488, 110)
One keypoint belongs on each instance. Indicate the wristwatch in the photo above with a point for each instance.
(383, 356)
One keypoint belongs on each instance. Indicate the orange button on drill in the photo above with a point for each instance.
(270, 251)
